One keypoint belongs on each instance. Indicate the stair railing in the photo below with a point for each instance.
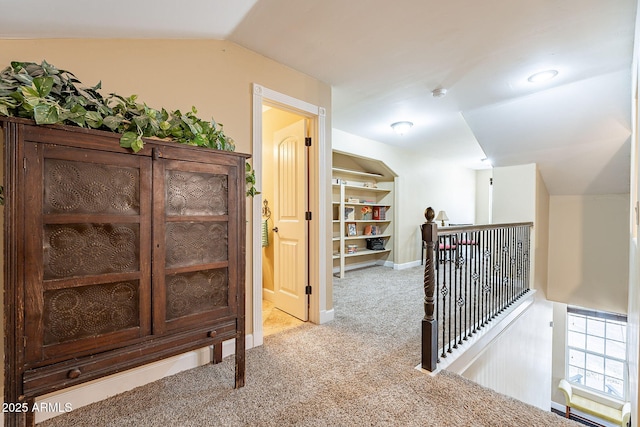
(471, 275)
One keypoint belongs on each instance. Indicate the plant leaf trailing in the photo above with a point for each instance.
(48, 95)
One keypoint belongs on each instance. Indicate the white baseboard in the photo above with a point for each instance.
(355, 266)
(406, 265)
(326, 316)
(268, 295)
(100, 389)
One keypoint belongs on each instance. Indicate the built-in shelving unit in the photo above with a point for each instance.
(362, 214)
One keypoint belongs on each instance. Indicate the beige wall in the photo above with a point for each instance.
(214, 76)
(483, 196)
(520, 195)
(422, 182)
(541, 236)
(589, 251)
(559, 355)
(514, 194)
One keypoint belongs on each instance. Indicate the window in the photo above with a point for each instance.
(597, 350)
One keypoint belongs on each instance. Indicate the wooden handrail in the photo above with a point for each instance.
(444, 231)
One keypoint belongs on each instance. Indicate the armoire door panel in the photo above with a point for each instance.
(191, 193)
(75, 250)
(195, 212)
(195, 243)
(81, 312)
(90, 229)
(90, 188)
(196, 292)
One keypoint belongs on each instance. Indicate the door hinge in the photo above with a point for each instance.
(24, 341)
(307, 141)
(24, 163)
(307, 290)
(307, 216)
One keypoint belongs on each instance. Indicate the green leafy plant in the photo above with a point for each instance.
(250, 177)
(48, 95)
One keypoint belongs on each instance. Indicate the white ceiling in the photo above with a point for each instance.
(383, 59)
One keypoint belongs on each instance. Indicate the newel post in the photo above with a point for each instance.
(429, 322)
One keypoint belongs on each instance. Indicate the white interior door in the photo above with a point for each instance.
(290, 227)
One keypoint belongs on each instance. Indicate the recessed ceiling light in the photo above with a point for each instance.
(543, 76)
(401, 127)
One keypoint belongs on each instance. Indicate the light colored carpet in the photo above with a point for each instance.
(355, 371)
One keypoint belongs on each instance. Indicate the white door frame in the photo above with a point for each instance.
(317, 237)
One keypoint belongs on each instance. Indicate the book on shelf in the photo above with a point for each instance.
(371, 230)
(379, 213)
(349, 213)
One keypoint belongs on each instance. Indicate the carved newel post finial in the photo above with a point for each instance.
(429, 214)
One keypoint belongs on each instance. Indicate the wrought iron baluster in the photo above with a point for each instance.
(485, 275)
(504, 270)
(513, 259)
(451, 292)
(465, 283)
(456, 291)
(465, 275)
(460, 300)
(473, 283)
(444, 292)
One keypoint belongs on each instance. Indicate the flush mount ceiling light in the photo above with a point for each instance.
(401, 127)
(542, 76)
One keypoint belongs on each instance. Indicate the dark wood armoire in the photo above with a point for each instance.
(115, 259)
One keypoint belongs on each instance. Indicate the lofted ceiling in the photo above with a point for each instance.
(383, 60)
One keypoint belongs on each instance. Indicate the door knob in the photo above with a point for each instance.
(275, 229)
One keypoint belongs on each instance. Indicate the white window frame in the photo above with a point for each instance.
(607, 318)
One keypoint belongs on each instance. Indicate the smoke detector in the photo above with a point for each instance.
(439, 93)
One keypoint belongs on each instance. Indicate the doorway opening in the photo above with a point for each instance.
(284, 227)
(318, 157)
